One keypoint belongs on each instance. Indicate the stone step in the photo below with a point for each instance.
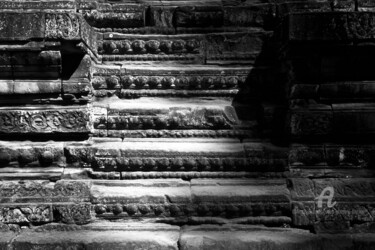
(136, 80)
(146, 236)
(220, 201)
(113, 115)
(214, 48)
(163, 155)
(335, 91)
(350, 119)
(175, 14)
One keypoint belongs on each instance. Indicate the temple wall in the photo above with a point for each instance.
(135, 124)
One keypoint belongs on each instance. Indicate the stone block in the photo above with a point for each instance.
(62, 26)
(128, 17)
(31, 173)
(27, 213)
(63, 5)
(21, 26)
(124, 44)
(140, 198)
(302, 189)
(366, 5)
(331, 26)
(259, 15)
(105, 236)
(347, 90)
(72, 213)
(354, 119)
(246, 237)
(173, 113)
(141, 192)
(356, 189)
(44, 191)
(199, 16)
(262, 156)
(235, 46)
(290, 7)
(162, 16)
(6, 238)
(305, 91)
(311, 120)
(307, 155)
(303, 213)
(237, 191)
(36, 87)
(43, 120)
(31, 153)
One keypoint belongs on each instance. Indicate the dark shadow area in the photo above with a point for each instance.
(262, 98)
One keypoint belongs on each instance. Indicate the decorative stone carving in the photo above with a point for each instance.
(62, 26)
(43, 121)
(23, 213)
(137, 46)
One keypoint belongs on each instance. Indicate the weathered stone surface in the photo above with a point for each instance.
(347, 90)
(44, 191)
(310, 122)
(43, 120)
(152, 44)
(102, 237)
(153, 72)
(264, 156)
(153, 191)
(56, 5)
(299, 91)
(227, 191)
(198, 16)
(6, 238)
(242, 237)
(30, 64)
(136, 235)
(31, 173)
(72, 213)
(173, 113)
(333, 204)
(174, 78)
(23, 26)
(333, 155)
(155, 155)
(255, 15)
(30, 87)
(64, 25)
(355, 189)
(354, 118)
(31, 154)
(25, 213)
(334, 26)
(235, 47)
(162, 16)
(128, 16)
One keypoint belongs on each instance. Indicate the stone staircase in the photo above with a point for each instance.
(186, 124)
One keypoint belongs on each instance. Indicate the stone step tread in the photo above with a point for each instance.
(146, 236)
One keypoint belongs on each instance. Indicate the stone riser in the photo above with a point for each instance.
(210, 48)
(355, 119)
(81, 202)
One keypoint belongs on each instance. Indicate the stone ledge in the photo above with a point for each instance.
(162, 236)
